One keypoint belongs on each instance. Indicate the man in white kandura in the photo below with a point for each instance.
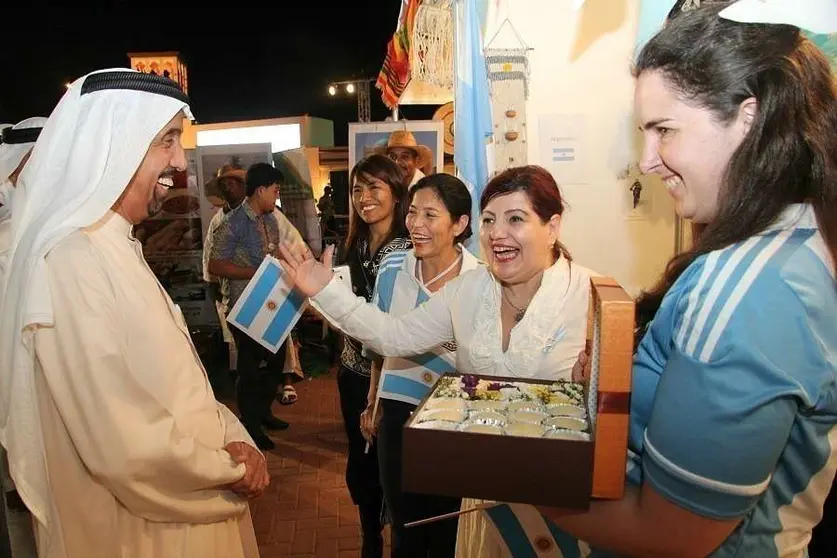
(16, 143)
(115, 440)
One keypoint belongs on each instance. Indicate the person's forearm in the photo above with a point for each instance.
(630, 527)
(615, 525)
(229, 270)
(373, 384)
(413, 333)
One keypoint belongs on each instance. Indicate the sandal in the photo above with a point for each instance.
(289, 396)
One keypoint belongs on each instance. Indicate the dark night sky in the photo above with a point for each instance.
(246, 60)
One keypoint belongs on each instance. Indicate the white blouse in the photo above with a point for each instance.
(544, 344)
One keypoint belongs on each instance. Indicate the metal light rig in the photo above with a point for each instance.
(359, 87)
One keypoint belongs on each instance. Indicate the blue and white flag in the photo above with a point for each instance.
(472, 115)
(652, 17)
(523, 532)
(269, 307)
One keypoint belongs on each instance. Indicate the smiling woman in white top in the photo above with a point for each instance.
(525, 315)
(438, 219)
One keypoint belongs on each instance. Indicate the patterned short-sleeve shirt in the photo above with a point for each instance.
(245, 238)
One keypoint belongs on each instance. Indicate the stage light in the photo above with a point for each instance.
(332, 90)
(350, 88)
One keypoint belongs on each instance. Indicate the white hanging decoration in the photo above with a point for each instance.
(431, 46)
(690, 5)
(508, 77)
(816, 16)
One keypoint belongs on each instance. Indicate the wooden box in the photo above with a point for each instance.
(541, 471)
(610, 334)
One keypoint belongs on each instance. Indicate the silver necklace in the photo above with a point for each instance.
(439, 276)
(519, 312)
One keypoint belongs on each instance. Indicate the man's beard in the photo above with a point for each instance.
(155, 206)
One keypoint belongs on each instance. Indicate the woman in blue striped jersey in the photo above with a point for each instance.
(733, 433)
(438, 221)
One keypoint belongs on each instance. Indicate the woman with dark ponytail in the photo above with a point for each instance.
(733, 435)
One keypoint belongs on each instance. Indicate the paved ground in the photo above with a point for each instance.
(307, 510)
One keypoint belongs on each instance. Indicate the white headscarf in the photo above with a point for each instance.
(5, 189)
(85, 157)
(816, 16)
(11, 155)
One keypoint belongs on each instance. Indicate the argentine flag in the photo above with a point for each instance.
(523, 532)
(472, 115)
(269, 307)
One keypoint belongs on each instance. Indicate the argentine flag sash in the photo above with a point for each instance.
(523, 532)
(397, 291)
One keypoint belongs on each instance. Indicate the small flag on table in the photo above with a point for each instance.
(269, 307)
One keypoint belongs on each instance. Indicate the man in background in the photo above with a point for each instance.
(16, 143)
(408, 154)
(229, 184)
(327, 212)
(244, 238)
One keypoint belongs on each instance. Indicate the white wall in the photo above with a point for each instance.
(581, 64)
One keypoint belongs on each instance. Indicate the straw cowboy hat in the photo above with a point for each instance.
(406, 139)
(212, 189)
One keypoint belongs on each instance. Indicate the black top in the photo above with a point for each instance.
(364, 270)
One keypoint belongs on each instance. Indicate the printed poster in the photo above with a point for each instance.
(561, 147)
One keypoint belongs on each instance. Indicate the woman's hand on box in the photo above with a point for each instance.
(581, 369)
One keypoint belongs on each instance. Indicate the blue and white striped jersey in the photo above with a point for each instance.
(734, 401)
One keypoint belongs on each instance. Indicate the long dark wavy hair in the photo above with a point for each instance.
(385, 170)
(789, 154)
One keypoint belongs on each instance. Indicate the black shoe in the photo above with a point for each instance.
(14, 501)
(273, 423)
(372, 546)
(262, 441)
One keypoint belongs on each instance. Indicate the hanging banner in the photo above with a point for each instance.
(395, 73)
(508, 77)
